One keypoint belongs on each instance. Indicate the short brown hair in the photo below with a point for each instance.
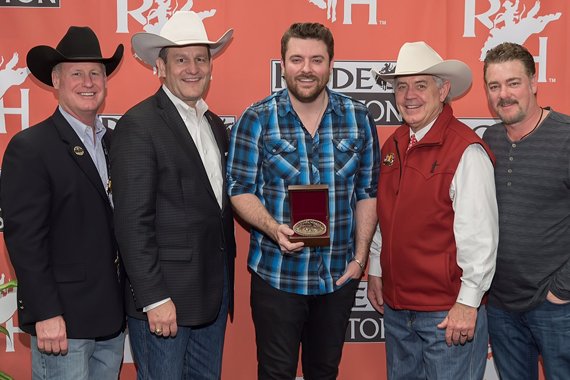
(509, 51)
(308, 30)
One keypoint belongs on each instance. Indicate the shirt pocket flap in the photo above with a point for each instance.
(276, 147)
(348, 145)
(69, 273)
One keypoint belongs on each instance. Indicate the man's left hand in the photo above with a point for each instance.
(552, 298)
(353, 270)
(459, 324)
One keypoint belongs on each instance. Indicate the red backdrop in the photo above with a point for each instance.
(366, 32)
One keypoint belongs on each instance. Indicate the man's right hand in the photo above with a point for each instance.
(282, 238)
(375, 293)
(163, 319)
(52, 336)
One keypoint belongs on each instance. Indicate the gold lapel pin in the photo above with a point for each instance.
(78, 150)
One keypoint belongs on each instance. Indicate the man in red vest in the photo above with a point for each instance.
(438, 220)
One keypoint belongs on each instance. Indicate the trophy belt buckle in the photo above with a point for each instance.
(310, 227)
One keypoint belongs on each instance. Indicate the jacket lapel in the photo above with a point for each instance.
(79, 153)
(173, 120)
(220, 133)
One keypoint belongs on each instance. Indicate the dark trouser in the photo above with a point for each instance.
(284, 320)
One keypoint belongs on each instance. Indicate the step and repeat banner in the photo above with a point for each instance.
(367, 32)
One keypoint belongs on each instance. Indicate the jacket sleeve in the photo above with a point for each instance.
(25, 196)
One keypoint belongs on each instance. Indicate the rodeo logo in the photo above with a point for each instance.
(510, 21)
(353, 78)
(11, 76)
(153, 14)
(331, 6)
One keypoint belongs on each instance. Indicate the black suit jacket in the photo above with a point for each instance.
(58, 228)
(172, 234)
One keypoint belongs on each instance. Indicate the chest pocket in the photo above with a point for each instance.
(346, 156)
(282, 159)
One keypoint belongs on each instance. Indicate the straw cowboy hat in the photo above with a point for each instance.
(417, 58)
(183, 28)
(80, 44)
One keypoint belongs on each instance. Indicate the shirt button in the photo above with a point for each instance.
(514, 145)
(510, 158)
(510, 170)
(508, 184)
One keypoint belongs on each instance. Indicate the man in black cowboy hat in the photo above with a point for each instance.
(58, 213)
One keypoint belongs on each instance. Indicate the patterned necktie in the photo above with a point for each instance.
(413, 142)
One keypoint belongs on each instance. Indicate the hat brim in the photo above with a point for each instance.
(148, 45)
(42, 59)
(457, 72)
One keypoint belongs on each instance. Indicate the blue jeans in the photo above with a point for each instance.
(518, 338)
(416, 348)
(87, 359)
(195, 353)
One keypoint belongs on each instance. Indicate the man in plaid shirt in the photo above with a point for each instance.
(305, 135)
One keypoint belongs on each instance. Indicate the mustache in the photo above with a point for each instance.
(506, 102)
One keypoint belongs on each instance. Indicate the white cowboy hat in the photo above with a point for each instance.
(417, 58)
(183, 28)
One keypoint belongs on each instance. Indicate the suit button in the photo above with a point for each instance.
(20, 302)
(22, 307)
(222, 249)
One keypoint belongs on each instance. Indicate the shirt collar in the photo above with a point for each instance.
(183, 108)
(81, 128)
(422, 132)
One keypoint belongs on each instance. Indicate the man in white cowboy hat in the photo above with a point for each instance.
(437, 214)
(174, 222)
(529, 300)
(301, 295)
(58, 219)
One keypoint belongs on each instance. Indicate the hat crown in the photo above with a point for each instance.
(184, 26)
(79, 42)
(416, 57)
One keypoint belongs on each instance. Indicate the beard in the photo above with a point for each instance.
(306, 95)
(510, 120)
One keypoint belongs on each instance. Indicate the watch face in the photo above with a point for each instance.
(310, 227)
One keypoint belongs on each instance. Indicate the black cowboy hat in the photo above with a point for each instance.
(80, 44)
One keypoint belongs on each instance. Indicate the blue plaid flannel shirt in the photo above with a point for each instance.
(270, 150)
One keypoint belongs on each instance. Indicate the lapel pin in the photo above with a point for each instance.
(78, 150)
(389, 159)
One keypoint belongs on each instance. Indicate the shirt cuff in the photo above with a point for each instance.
(470, 296)
(156, 304)
(374, 268)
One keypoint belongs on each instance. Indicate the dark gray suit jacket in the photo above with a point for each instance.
(172, 234)
(58, 228)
